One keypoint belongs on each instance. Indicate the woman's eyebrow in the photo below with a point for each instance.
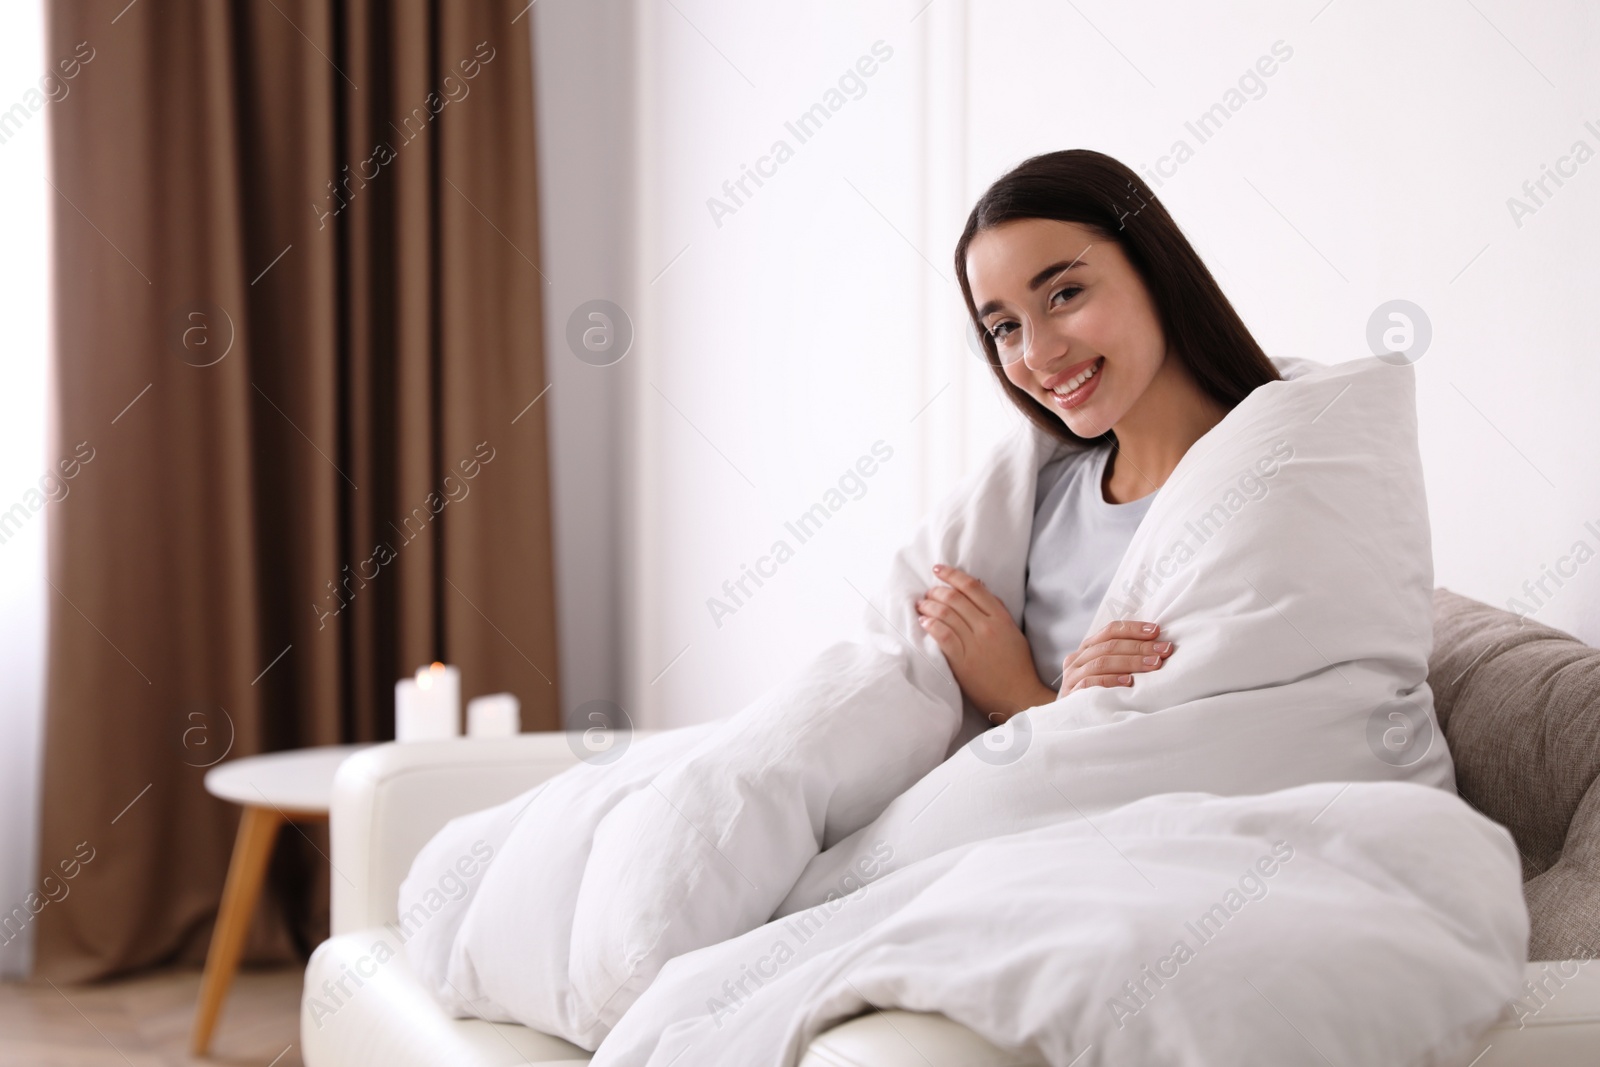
(1057, 269)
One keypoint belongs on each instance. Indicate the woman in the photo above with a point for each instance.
(1105, 328)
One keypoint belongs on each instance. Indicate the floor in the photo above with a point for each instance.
(144, 1022)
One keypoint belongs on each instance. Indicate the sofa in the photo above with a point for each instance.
(1518, 703)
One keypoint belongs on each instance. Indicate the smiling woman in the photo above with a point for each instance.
(1105, 329)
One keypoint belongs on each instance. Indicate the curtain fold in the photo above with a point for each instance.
(297, 322)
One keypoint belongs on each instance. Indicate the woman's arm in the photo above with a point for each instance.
(986, 651)
(991, 659)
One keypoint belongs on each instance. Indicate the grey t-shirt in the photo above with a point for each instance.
(1078, 540)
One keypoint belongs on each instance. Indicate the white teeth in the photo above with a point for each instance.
(1067, 387)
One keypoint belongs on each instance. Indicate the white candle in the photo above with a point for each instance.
(442, 686)
(428, 707)
(410, 721)
(495, 715)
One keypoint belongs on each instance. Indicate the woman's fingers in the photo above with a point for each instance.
(949, 630)
(1120, 657)
(957, 599)
(1129, 638)
(1098, 665)
(1122, 647)
(1114, 655)
(941, 608)
(959, 602)
(977, 593)
(1127, 655)
(1129, 630)
(944, 636)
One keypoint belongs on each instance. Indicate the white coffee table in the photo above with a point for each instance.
(277, 788)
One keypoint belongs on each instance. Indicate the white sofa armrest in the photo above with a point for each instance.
(908, 1039)
(388, 801)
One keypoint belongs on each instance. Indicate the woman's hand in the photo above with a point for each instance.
(1114, 655)
(987, 652)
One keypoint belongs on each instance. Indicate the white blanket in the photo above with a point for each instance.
(1308, 926)
(1287, 556)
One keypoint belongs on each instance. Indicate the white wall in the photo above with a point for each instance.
(788, 337)
(584, 93)
(820, 316)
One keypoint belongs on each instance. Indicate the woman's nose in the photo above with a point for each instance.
(1042, 349)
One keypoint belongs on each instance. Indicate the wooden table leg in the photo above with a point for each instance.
(258, 830)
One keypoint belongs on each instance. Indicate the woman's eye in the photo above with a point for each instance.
(1000, 331)
(1066, 294)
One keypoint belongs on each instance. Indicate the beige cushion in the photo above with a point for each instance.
(1519, 704)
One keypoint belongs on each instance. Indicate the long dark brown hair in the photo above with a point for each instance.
(1102, 195)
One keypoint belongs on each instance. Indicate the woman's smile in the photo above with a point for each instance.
(1073, 387)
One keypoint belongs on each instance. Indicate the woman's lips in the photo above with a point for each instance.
(1079, 396)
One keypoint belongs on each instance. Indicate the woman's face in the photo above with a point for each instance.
(1072, 321)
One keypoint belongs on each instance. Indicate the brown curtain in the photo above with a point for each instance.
(298, 336)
